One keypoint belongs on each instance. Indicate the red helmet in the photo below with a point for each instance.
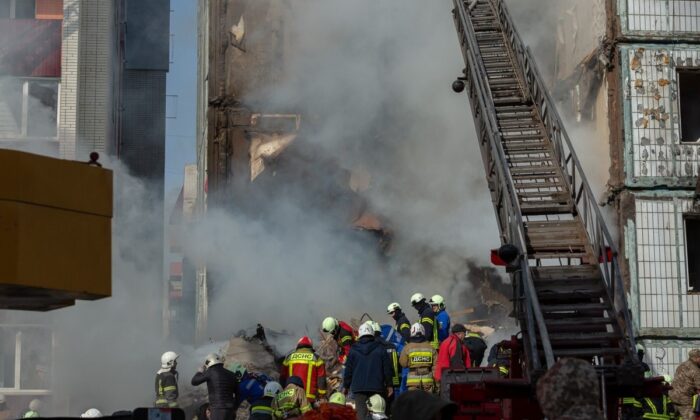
(305, 341)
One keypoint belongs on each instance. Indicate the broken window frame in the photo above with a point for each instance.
(19, 331)
(693, 281)
(687, 70)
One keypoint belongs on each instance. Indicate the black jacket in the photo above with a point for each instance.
(477, 348)
(403, 326)
(427, 319)
(221, 385)
(261, 409)
(368, 367)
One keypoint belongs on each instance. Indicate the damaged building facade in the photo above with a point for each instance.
(655, 141)
(638, 88)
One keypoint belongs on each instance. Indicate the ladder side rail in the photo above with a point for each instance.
(596, 229)
(515, 232)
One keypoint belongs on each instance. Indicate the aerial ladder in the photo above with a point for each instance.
(569, 297)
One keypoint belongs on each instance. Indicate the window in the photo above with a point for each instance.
(24, 9)
(25, 358)
(692, 249)
(689, 101)
(5, 8)
(17, 9)
(29, 108)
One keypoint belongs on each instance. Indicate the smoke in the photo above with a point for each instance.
(372, 81)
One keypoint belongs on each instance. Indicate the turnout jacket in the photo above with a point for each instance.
(166, 388)
(402, 324)
(420, 358)
(222, 385)
(306, 364)
(477, 348)
(345, 337)
(261, 409)
(427, 320)
(291, 402)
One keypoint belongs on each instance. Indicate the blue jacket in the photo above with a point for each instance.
(252, 387)
(368, 367)
(443, 324)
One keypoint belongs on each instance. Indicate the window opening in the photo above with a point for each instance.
(689, 102)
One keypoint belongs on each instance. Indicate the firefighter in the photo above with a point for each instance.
(477, 347)
(499, 356)
(91, 413)
(442, 318)
(368, 370)
(166, 380)
(403, 326)
(659, 408)
(343, 335)
(262, 408)
(251, 386)
(222, 386)
(291, 403)
(377, 407)
(393, 357)
(426, 318)
(306, 364)
(34, 407)
(420, 358)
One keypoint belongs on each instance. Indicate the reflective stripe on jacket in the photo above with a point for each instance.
(166, 389)
(420, 358)
(290, 402)
(307, 365)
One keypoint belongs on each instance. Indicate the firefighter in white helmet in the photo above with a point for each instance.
(342, 333)
(222, 387)
(420, 358)
(377, 407)
(426, 318)
(442, 318)
(166, 381)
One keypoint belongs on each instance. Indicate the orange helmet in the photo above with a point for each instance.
(305, 341)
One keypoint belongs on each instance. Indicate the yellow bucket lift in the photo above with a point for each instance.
(55, 232)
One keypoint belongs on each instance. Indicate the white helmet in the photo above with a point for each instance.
(35, 405)
(272, 388)
(437, 300)
(168, 359)
(213, 359)
(365, 329)
(416, 329)
(376, 404)
(91, 413)
(392, 307)
(329, 324)
(416, 298)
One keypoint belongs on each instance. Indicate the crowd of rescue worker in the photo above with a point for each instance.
(386, 372)
(397, 372)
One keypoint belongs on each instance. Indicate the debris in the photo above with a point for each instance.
(664, 82)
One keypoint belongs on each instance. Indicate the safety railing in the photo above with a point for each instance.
(502, 187)
(587, 207)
